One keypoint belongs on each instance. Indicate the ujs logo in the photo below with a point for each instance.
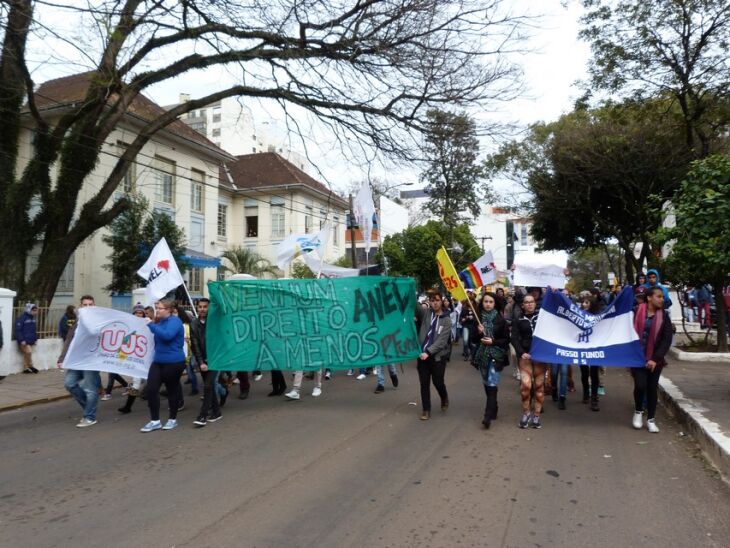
(117, 338)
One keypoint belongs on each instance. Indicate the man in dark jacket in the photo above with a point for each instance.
(210, 410)
(26, 333)
(433, 337)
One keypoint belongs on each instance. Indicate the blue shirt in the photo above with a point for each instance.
(169, 340)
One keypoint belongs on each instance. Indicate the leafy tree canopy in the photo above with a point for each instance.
(241, 260)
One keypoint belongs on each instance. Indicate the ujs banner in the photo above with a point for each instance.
(311, 324)
(565, 333)
(110, 340)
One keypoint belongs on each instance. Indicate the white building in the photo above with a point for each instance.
(234, 127)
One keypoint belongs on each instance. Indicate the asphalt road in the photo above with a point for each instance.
(357, 469)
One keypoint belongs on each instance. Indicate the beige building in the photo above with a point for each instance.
(177, 171)
(267, 198)
(219, 200)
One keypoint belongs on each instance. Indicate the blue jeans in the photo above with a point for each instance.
(84, 387)
(562, 369)
(191, 375)
(490, 375)
(381, 376)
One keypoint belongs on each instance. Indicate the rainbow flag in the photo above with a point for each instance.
(481, 272)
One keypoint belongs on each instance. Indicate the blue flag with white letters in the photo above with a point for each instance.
(565, 333)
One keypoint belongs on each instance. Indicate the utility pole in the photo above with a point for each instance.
(353, 249)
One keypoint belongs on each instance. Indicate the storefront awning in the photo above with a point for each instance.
(196, 259)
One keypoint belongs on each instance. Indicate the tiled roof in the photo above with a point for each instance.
(268, 169)
(66, 91)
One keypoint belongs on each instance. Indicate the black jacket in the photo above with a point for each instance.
(522, 333)
(197, 340)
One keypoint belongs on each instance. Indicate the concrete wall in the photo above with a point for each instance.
(45, 354)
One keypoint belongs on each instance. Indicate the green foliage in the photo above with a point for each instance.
(300, 270)
(125, 239)
(599, 175)
(133, 236)
(412, 252)
(241, 260)
(646, 47)
(590, 264)
(700, 247)
(453, 175)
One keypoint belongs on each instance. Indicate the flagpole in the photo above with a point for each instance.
(190, 300)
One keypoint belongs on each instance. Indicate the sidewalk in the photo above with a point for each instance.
(22, 390)
(698, 394)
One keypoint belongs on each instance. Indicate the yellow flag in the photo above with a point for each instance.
(448, 274)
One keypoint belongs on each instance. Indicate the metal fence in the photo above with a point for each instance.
(47, 320)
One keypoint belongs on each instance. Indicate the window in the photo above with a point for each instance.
(308, 219)
(196, 190)
(336, 231)
(66, 281)
(165, 180)
(216, 117)
(254, 150)
(222, 220)
(131, 176)
(278, 218)
(252, 221)
(196, 240)
(523, 234)
(195, 283)
(216, 132)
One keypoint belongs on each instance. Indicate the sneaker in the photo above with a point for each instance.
(125, 391)
(650, 426)
(536, 422)
(601, 391)
(217, 417)
(316, 392)
(379, 389)
(257, 377)
(150, 426)
(181, 407)
(361, 376)
(350, 372)
(28, 371)
(200, 421)
(170, 424)
(525, 420)
(327, 375)
(561, 403)
(293, 395)
(106, 397)
(638, 420)
(83, 423)
(394, 380)
(33, 369)
(243, 395)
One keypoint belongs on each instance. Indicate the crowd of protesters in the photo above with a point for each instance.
(494, 329)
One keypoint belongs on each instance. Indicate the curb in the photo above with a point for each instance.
(705, 357)
(28, 403)
(715, 444)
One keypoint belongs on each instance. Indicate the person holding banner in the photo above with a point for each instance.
(492, 353)
(532, 373)
(433, 337)
(167, 367)
(81, 384)
(655, 333)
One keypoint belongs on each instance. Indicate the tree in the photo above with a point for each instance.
(676, 48)
(412, 252)
(599, 175)
(246, 261)
(368, 70)
(590, 264)
(160, 225)
(700, 248)
(453, 174)
(125, 239)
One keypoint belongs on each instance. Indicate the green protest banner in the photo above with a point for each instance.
(310, 324)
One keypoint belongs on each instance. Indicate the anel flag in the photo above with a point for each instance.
(449, 276)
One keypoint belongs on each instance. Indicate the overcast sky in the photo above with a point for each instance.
(555, 60)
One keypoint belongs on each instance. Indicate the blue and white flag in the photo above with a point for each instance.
(565, 333)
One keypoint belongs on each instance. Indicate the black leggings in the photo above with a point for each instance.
(427, 370)
(593, 371)
(115, 377)
(168, 374)
(646, 383)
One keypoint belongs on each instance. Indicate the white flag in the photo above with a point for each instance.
(315, 264)
(364, 211)
(110, 340)
(295, 244)
(161, 272)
